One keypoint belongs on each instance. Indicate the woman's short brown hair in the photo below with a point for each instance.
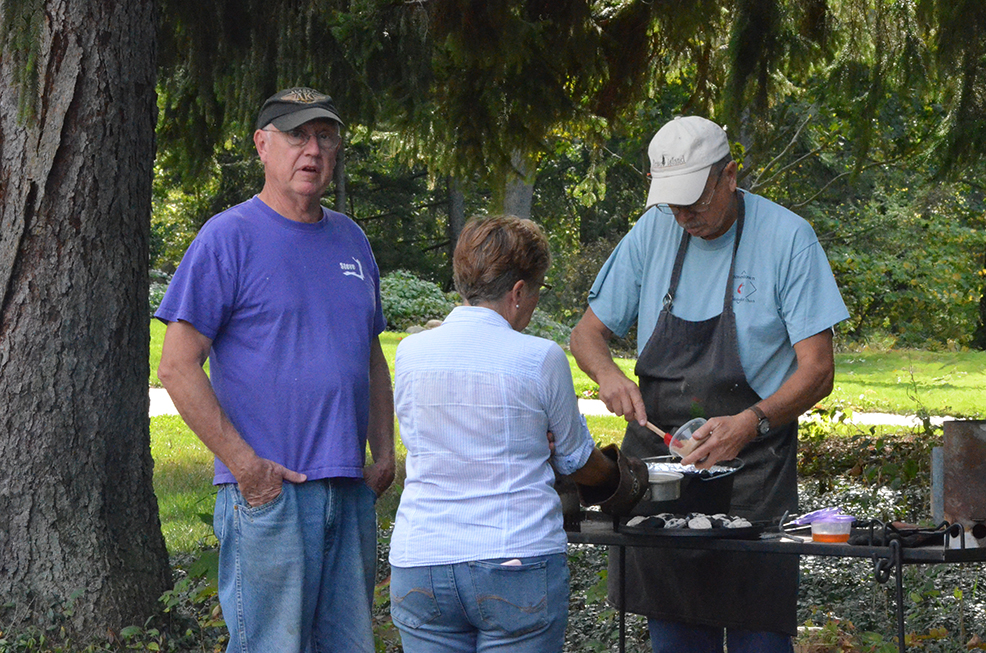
(494, 253)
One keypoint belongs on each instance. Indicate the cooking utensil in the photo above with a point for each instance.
(664, 486)
(704, 491)
(656, 430)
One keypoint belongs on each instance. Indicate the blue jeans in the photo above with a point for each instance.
(482, 606)
(296, 575)
(674, 637)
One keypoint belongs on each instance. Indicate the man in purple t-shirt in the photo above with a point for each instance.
(283, 297)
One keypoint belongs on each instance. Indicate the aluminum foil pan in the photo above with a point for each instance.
(668, 464)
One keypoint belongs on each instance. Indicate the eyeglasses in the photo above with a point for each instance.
(327, 141)
(697, 207)
(545, 287)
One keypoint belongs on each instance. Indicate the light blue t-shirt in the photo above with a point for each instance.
(475, 400)
(291, 309)
(783, 288)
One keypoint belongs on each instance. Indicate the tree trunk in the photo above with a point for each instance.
(80, 537)
(518, 194)
(339, 177)
(979, 337)
(456, 214)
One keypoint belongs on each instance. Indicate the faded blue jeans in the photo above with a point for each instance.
(674, 637)
(296, 575)
(482, 606)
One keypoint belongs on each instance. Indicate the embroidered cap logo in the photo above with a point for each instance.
(304, 96)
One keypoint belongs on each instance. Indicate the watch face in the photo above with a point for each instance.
(763, 426)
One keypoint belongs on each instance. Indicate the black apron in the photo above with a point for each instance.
(692, 369)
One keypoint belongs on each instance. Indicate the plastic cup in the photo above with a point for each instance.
(682, 443)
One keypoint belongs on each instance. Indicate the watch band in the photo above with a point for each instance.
(763, 424)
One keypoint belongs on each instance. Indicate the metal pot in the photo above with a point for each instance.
(664, 486)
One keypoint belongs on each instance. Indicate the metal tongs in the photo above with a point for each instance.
(783, 525)
(807, 518)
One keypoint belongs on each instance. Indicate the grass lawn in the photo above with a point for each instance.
(182, 483)
(906, 382)
(911, 381)
(157, 340)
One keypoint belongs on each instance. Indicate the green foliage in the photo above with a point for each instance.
(409, 301)
(830, 447)
(925, 297)
(194, 600)
(183, 201)
(401, 206)
(159, 284)
(836, 110)
(544, 327)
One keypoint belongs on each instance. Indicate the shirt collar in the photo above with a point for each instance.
(477, 314)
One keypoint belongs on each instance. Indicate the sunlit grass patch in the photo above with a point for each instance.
(606, 429)
(182, 483)
(910, 382)
(585, 387)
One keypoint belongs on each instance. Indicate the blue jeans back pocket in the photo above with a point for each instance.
(512, 599)
(412, 596)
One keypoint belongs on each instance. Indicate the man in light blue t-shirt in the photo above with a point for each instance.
(283, 297)
(734, 303)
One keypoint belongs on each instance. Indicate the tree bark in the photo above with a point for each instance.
(518, 194)
(79, 524)
(339, 179)
(979, 337)
(456, 213)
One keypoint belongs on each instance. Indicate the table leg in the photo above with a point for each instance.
(898, 559)
(623, 599)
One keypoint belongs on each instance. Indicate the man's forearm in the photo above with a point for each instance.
(188, 385)
(808, 385)
(590, 348)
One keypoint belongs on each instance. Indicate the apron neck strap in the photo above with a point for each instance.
(679, 258)
(740, 219)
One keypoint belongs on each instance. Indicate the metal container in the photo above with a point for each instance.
(700, 491)
(664, 486)
(964, 487)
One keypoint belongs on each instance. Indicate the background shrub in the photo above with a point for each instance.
(159, 283)
(408, 300)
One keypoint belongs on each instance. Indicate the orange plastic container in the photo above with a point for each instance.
(832, 529)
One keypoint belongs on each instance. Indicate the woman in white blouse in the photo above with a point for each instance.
(478, 550)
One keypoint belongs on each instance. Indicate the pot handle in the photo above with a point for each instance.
(738, 462)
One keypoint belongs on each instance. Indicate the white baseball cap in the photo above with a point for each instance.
(681, 154)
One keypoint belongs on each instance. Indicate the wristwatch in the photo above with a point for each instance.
(763, 424)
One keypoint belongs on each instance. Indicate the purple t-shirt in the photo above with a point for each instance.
(291, 309)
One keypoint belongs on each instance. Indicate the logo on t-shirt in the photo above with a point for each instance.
(745, 288)
(352, 269)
